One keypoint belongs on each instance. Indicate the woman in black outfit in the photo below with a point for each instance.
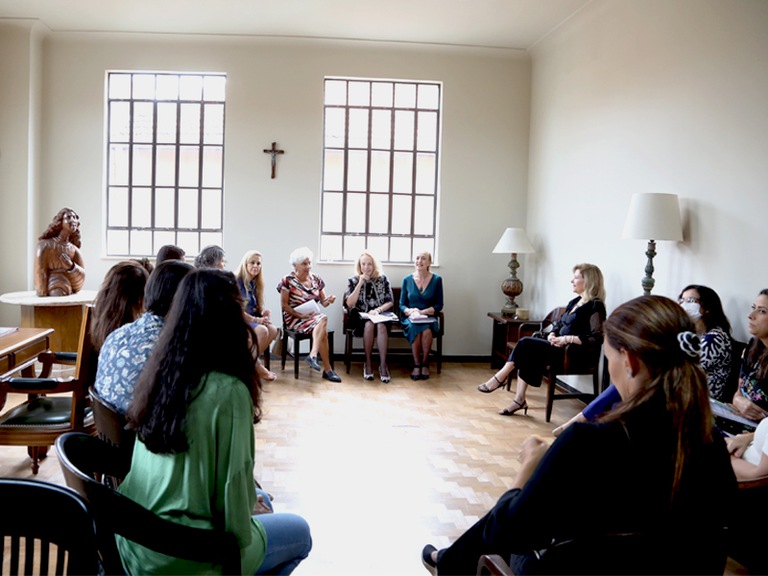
(651, 466)
(580, 329)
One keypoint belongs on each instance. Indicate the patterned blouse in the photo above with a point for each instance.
(716, 361)
(374, 293)
(298, 294)
(751, 386)
(122, 359)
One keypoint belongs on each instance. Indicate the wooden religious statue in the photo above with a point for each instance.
(59, 267)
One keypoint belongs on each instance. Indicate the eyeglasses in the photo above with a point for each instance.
(689, 299)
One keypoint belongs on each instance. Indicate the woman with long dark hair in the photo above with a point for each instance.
(656, 458)
(119, 301)
(751, 399)
(193, 411)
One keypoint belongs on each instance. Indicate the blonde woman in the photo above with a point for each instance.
(250, 282)
(370, 292)
(580, 327)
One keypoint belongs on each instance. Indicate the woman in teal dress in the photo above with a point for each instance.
(421, 299)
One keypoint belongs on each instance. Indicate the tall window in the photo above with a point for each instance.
(165, 161)
(380, 169)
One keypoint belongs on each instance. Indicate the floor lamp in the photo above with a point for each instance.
(513, 241)
(653, 217)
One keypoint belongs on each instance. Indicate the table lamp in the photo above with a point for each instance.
(513, 241)
(653, 217)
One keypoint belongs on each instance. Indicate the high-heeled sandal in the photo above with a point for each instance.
(416, 368)
(384, 374)
(367, 375)
(484, 387)
(523, 407)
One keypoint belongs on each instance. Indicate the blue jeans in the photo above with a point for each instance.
(288, 542)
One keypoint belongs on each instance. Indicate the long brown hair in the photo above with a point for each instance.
(647, 328)
(120, 299)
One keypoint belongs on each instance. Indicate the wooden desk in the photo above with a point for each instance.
(19, 350)
(62, 313)
(505, 329)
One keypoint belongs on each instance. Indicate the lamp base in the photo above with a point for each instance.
(510, 308)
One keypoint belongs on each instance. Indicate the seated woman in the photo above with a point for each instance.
(580, 328)
(751, 398)
(169, 252)
(421, 295)
(299, 287)
(119, 301)
(250, 281)
(125, 351)
(211, 257)
(193, 411)
(749, 458)
(59, 267)
(714, 330)
(370, 292)
(656, 458)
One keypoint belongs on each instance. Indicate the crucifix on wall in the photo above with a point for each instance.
(274, 152)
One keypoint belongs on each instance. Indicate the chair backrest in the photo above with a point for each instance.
(111, 427)
(85, 368)
(83, 460)
(48, 529)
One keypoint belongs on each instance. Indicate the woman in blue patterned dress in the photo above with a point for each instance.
(299, 287)
(421, 296)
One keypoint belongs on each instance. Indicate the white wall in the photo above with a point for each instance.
(274, 93)
(652, 96)
(20, 70)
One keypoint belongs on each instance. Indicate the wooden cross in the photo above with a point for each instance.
(274, 151)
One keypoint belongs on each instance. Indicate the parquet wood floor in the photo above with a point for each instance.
(379, 470)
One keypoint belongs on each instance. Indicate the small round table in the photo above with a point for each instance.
(62, 313)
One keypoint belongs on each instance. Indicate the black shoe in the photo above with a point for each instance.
(416, 367)
(426, 559)
(332, 376)
(312, 361)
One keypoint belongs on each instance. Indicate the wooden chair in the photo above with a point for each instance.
(112, 428)
(297, 339)
(37, 422)
(47, 529)
(83, 460)
(396, 332)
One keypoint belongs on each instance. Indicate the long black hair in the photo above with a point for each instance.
(712, 313)
(204, 332)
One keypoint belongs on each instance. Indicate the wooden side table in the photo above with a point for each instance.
(62, 313)
(506, 329)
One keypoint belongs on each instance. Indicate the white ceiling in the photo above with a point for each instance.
(516, 24)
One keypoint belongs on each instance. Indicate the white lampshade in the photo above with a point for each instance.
(653, 217)
(513, 241)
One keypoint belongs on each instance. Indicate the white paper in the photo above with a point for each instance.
(421, 319)
(724, 411)
(379, 318)
(308, 307)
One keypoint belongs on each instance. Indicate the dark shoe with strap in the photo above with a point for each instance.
(484, 387)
